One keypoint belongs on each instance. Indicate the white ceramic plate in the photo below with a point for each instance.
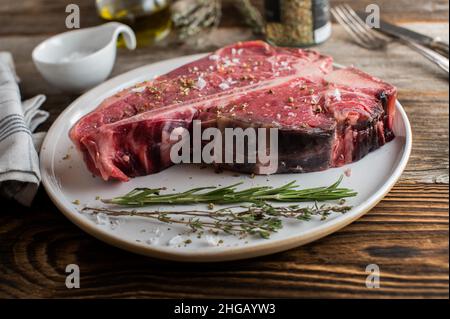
(66, 180)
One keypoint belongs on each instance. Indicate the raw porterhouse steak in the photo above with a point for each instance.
(326, 118)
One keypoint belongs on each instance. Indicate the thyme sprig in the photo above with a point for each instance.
(140, 197)
(260, 219)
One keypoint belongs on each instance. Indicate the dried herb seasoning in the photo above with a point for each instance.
(297, 22)
(261, 219)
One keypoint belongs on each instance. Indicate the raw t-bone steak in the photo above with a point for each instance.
(326, 118)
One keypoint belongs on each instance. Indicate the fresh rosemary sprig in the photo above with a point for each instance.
(260, 219)
(140, 197)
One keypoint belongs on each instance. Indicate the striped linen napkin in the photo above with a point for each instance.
(19, 162)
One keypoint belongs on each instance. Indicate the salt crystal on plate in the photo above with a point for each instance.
(211, 240)
(114, 223)
(348, 172)
(175, 241)
(154, 240)
(102, 219)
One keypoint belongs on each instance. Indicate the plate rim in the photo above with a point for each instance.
(223, 253)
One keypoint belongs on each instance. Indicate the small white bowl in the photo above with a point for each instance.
(78, 60)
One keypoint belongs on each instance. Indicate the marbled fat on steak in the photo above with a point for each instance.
(326, 118)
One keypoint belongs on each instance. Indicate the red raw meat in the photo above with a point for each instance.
(325, 118)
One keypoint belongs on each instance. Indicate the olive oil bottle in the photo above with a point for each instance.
(150, 19)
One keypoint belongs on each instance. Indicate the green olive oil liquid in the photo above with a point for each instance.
(150, 19)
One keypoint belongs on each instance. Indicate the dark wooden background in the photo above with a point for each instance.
(406, 234)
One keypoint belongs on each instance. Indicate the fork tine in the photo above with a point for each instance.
(347, 25)
(370, 32)
(371, 39)
(356, 27)
(363, 29)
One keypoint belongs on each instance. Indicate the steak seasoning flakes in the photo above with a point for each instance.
(297, 22)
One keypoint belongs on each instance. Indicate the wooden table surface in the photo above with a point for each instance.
(406, 234)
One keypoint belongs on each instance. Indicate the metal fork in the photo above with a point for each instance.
(367, 38)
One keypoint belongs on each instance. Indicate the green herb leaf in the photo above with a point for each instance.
(141, 197)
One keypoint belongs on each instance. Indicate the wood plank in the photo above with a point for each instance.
(406, 235)
(48, 17)
(404, 10)
(429, 158)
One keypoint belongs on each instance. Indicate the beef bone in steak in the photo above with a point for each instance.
(325, 117)
(230, 70)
